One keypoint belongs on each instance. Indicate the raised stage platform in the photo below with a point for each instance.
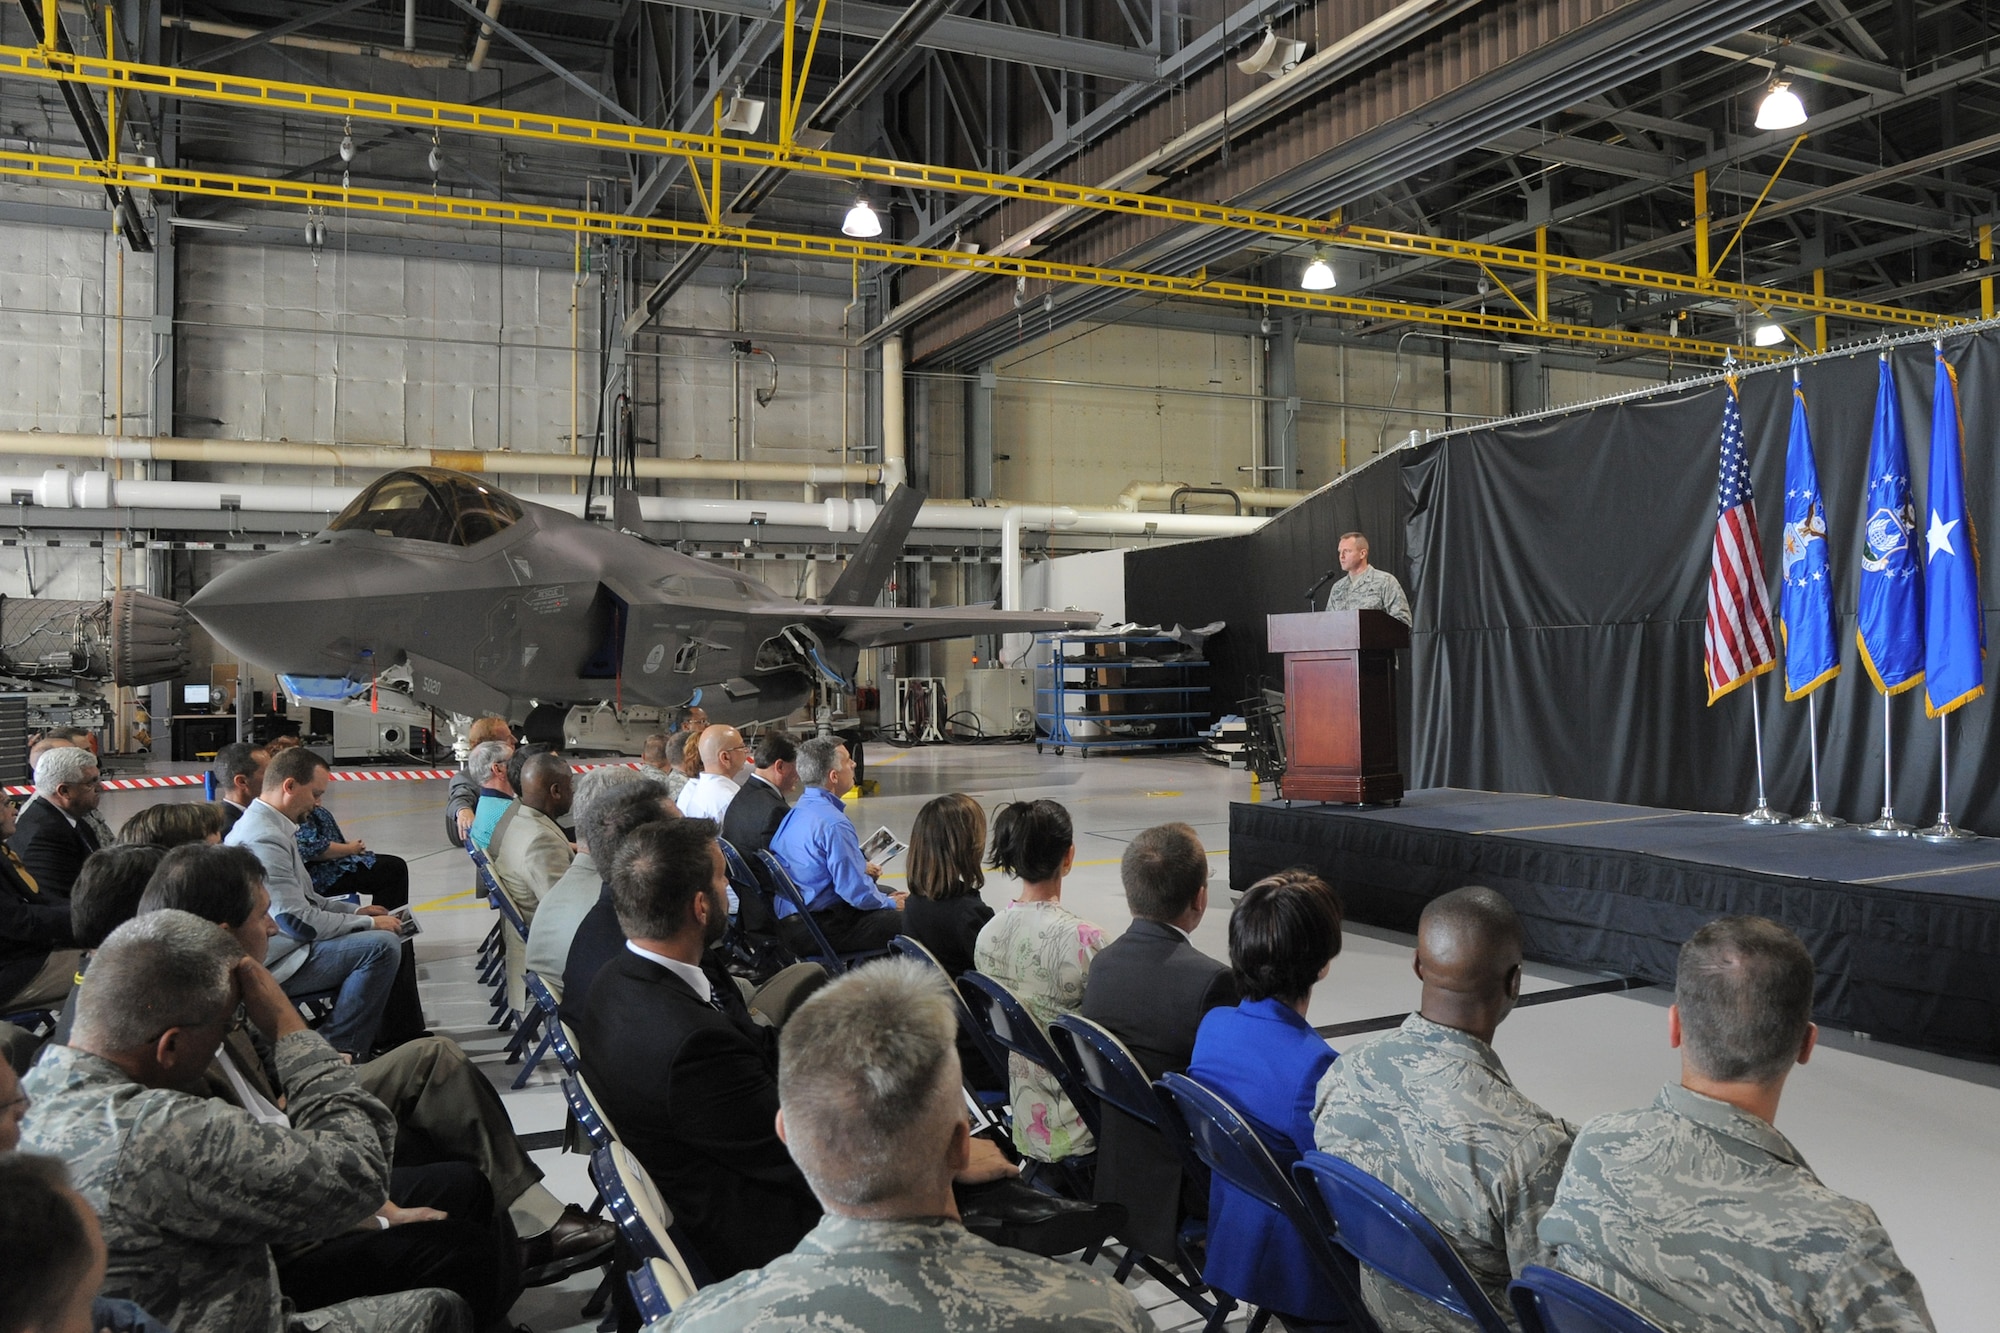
(1905, 934)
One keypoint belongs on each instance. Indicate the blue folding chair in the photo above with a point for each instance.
(992, 1100)
(656, 1290)
(1384, 1231)
(1115, 1078)
(583, 1109)
(1008, 1025)
(644, 1221)
(1217, 1133)
(763, 955)
(1552, 1302)
(781, 883)
(541, 1017)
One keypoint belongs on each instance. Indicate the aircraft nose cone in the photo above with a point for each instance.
(291, 612)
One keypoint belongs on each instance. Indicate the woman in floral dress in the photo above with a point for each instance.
(1041, 951)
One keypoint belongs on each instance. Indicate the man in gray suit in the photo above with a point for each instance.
(322, 944)
(1150, 987)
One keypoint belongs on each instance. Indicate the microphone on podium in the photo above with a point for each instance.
(1324, 579)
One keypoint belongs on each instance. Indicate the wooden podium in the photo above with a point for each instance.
(1340, 704)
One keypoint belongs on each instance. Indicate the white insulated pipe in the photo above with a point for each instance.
(1163, 492)
(59, 488)
(485, 42)
(895, 449)
(409, 25)
(48, 444)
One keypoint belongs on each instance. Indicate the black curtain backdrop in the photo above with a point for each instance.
(1240, 580)
(1559, 581)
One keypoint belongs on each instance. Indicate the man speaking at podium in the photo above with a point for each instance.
(1366, 588)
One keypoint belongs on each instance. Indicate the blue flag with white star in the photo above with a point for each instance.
(1889, 616)
(1805, 606)
(1954, 629)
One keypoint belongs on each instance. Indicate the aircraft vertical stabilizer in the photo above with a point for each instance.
(875, 559)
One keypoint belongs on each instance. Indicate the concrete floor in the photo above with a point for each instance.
(1912, 1134)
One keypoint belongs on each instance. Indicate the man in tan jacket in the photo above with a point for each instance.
(529, 852)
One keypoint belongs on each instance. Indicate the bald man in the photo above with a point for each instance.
(529, 853)
(1429, 1110)
(724, 760)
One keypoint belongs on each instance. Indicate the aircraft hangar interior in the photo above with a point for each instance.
(1298, 420)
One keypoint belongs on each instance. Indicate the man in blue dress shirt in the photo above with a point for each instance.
(821, 850)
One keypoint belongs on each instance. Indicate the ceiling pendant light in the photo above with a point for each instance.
(1781, 108)
(861, 221)
(1318, 276)
(1767, 335)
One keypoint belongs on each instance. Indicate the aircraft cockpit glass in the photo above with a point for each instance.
(429, 505)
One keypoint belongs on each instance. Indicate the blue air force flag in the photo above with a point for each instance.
(1805, 606)
(1889, 620)
(1954, 629)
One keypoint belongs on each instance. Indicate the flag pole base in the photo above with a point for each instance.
(1945, 831)
(1764, 814)
(1816, 818)
(1888, 826)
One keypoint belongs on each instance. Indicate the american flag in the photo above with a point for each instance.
(1738, 635)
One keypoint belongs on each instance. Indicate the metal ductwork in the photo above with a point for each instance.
(816, 131)
(129, 638)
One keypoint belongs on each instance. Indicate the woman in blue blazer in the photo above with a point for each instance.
(1264, 1059)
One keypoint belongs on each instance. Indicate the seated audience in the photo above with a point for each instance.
(563, 907)
(944, 911)
(1429, 1111)
(1696, 1211)
(724, 757)
(529, 852)
(683, 1070)
(78, 738)
(462, 794)
(194, 1192)
(1041, 951)
(1150, 988)
(1264, 1059)
(489, 762)
(50, 836)
(599, 938)
(759, 804)
(173, 823)
(819, 847)
(445, 1109)
(239, 778)
(54, 1247)
(322, 944)
(868, 1103)
(105, 897)
(38, 948)
(289, 741)
(339, 866)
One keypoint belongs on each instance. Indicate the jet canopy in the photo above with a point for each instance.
(430, 505)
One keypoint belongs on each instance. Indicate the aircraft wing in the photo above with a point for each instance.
(887, 626)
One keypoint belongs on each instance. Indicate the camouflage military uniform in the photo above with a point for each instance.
(928, 1276)
(194, 1192)
(1429, 1111)
(1705, 1219)
(1375, 590)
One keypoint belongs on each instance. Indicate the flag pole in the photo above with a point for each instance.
(1814, 817)
(1944, 830)
(1888, 826)
(1763, 814)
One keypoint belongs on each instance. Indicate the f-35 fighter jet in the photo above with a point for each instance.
(497, 605)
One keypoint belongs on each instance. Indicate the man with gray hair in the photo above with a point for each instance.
(1430, 1111)
(822, 852)
(488, 766)
(870, 1104)
(1696, 1211)
(52, 837)
(572, 896)
(193, 1191)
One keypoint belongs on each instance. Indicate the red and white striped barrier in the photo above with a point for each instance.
(338, 775)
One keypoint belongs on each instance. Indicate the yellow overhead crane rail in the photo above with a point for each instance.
(717, 150)
(76, 172)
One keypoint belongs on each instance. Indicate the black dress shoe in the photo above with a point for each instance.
(1021, 1217)
(576, 1241)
